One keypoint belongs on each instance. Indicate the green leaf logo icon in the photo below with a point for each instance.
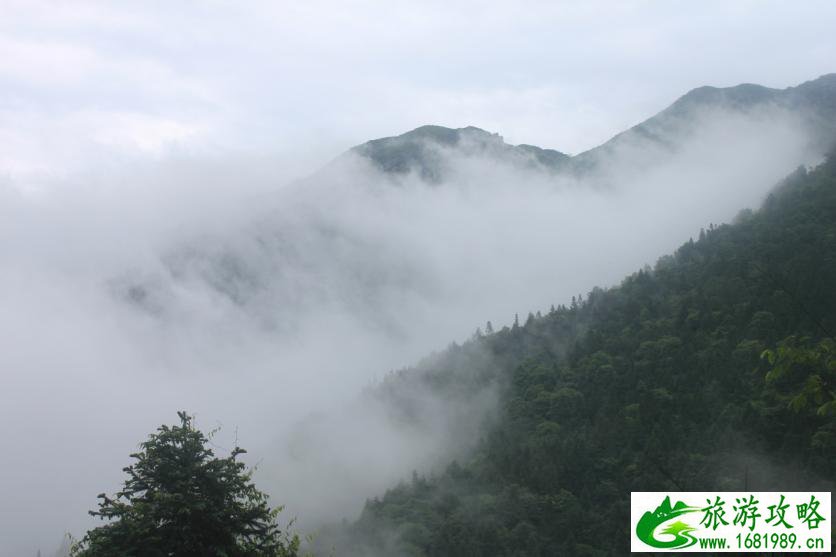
(681, 532)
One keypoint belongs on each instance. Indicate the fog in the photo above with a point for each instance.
(268, 308)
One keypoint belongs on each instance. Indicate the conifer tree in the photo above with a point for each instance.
(179, 499)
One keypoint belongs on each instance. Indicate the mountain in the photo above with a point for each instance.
(430, 151)
(658, 384)
(812, 102)
(267, 267)
(427, 151)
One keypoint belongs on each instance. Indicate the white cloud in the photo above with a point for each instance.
(44, 64)
(131, 131)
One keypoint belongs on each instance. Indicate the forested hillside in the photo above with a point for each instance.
(661, 383)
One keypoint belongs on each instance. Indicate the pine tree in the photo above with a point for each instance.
(179, 499)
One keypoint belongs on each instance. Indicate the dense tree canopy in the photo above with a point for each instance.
(179, 499)
(712, 371)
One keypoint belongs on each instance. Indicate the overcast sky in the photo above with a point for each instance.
(88, 84)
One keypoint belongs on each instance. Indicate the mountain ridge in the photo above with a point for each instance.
(422, 150)
(656, 384)
(418, 149)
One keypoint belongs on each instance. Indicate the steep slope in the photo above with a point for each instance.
(657, 384)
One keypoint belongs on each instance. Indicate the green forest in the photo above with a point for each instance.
(417, 279)
(713, 370)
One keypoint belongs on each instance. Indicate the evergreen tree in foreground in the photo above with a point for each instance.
(179, 499)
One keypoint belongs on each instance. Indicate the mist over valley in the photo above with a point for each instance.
(422, 329)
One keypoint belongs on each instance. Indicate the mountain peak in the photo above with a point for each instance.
(428, 150)
(738, 96)
(431, 133)
(442, 134)
(814, 101)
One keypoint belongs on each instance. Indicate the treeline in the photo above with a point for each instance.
(714, 370)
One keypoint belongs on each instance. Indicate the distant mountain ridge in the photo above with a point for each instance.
(272, 271)
(421, 150)
(814, 101)
(426, 150)
(262, 268)
(657, 384)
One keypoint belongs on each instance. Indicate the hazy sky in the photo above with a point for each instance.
(83, 84)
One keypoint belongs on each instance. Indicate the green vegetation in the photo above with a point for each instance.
(712, 371)
(179, 499)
